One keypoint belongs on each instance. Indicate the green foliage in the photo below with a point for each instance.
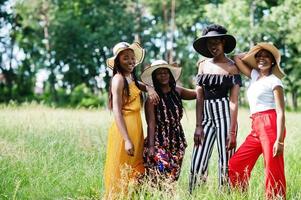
(284, 19)
(72, 39)
(81, 96)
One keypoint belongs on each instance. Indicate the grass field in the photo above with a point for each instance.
(48, 153)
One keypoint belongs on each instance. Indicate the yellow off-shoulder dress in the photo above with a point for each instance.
(120, 168)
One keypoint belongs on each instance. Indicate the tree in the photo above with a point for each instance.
(84, 32)
(18, 76)
(174, 26)
(285, 19)
(72, 39)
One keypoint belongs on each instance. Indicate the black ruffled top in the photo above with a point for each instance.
(217, 85)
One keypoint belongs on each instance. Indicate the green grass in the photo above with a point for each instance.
(48, 153)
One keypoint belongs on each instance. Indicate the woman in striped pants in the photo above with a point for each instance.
(216, 110)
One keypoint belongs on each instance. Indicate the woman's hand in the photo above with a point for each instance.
(240, 55)
(231, 141)
(198, 135)
(129, 147)
(278, 148)
(153, 96)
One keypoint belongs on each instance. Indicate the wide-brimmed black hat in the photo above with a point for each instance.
(200, 44)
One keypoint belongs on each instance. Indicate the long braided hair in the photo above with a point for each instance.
(167, 109)
(172, 85)
(126, 91)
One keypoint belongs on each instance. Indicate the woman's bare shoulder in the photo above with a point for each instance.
(117, 81)
(232, 67)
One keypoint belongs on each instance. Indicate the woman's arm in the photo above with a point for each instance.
(199, 132)
(154, 97)
(142, 86)
(279, 100)
(233, 104)
(117, 92)
(151, 124)
(199, 110)
(186, 94)
(241, 65)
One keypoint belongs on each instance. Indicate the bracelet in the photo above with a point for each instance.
(232, 132)
(281, 143)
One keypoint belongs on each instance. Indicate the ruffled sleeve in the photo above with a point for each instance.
(209, 79)
(218, 79)
(199, 79)
(236, 80)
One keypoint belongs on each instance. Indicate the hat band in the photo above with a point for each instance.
(121, 49)
(213, 33)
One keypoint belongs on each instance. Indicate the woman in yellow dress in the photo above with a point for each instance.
(124, 160)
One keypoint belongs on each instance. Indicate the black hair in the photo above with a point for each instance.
(214, 27)
(168, 104)
(126, 91)
(157, 86)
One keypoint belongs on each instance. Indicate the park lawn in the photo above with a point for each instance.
(48, 153)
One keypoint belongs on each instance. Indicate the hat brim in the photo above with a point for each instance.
(138, 51)
(200, 45)
(146, 75)
(250, 60)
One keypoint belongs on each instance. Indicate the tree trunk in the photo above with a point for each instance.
(165, 25)
(10, 72)
(252, 21)
(295, 100)
(52, 77)
(107, 77)
(138, 22)
(172, 29)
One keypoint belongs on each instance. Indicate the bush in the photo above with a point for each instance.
(82, 96)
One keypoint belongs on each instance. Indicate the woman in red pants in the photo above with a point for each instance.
(265, 94)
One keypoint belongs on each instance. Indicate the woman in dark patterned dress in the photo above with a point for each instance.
(165, 144)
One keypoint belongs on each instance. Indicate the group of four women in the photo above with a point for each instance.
(129, 156)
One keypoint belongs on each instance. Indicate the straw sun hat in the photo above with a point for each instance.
(249, 58)
(200, 45)
(146, 75)
(121, 46)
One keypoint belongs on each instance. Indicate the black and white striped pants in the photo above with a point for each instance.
(216, 123)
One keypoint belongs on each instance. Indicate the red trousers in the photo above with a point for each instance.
(259, 141)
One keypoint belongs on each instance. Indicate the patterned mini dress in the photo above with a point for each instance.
(169, 138)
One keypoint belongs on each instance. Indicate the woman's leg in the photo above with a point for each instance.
(221, 112)
(275, 183)
(200, 157)
(202, 153)
(243, 161)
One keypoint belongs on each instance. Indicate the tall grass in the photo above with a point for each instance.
(48, 153)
